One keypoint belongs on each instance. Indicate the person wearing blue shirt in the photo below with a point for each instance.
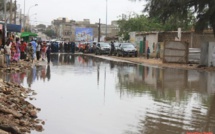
(34, 45)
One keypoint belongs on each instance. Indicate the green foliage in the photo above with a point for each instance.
(165, 10)
(144, 23)
(41, 26)
(50, 33)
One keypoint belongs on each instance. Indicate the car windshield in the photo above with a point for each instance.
(104, 45)
(127, 46)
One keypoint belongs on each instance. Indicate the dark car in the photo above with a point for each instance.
(102, 48)
(126, 49)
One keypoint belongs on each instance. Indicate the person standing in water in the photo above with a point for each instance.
(48, 52)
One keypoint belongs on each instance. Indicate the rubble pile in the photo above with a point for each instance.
(17, 115)
(20, 66)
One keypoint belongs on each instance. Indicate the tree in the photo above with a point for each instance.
(137, 23)
(144, 23)
(50, 33)
(41, 26)
(165, 9)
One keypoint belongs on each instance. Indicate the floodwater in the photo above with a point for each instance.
(88, 95)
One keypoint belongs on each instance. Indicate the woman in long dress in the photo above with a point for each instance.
(43, 52)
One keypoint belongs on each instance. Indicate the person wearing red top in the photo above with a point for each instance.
(23, 49)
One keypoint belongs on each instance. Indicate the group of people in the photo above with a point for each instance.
(17, 49)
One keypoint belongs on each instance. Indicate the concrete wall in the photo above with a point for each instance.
(211, 54)
(193, 39)
(151, 42)
(138, 39)
(194, 55)
(132, 37)
(175, 52)
(204, 54)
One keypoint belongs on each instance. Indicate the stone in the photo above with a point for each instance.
(39, 128)
(30, 106)
(23, 123)
(3, 132)
(43, 122)
(33, 113)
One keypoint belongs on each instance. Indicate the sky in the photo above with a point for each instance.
(48, 10)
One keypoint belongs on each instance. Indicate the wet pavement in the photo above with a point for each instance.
(88, 95)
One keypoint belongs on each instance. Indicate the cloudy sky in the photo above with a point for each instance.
(47, 10)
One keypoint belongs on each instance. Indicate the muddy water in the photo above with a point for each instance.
(86, 95)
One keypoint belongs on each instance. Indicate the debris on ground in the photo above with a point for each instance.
(17, 115)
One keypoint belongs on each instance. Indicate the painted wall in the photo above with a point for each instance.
(151, 42)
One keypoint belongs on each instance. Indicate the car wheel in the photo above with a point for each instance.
(135, 55)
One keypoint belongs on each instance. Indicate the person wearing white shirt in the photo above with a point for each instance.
(7, 48)
(38, 51)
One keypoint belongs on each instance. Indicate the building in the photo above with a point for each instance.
(66, 29)
(63, 28)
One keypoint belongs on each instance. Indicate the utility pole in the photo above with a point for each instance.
(106, 21)
(5, 22)
(11, 16)
(15, 13)
(24, 19)
(99, 31)
(20, 17)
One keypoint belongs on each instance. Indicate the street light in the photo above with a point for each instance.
(29, 10)
(31, 7)
(31, 16)
(5, 22)
(28, 13)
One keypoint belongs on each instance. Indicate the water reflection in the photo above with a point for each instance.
(182, 100)
(163, 101)
(35, 73)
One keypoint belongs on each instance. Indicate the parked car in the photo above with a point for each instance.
(116, 46)
(102, 48)
(126, 49)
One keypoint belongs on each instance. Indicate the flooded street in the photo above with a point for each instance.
(89, 95)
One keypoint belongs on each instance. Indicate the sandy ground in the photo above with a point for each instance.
(157, 62)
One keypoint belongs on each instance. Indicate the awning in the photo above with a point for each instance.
(14, 28)
(27, 34)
